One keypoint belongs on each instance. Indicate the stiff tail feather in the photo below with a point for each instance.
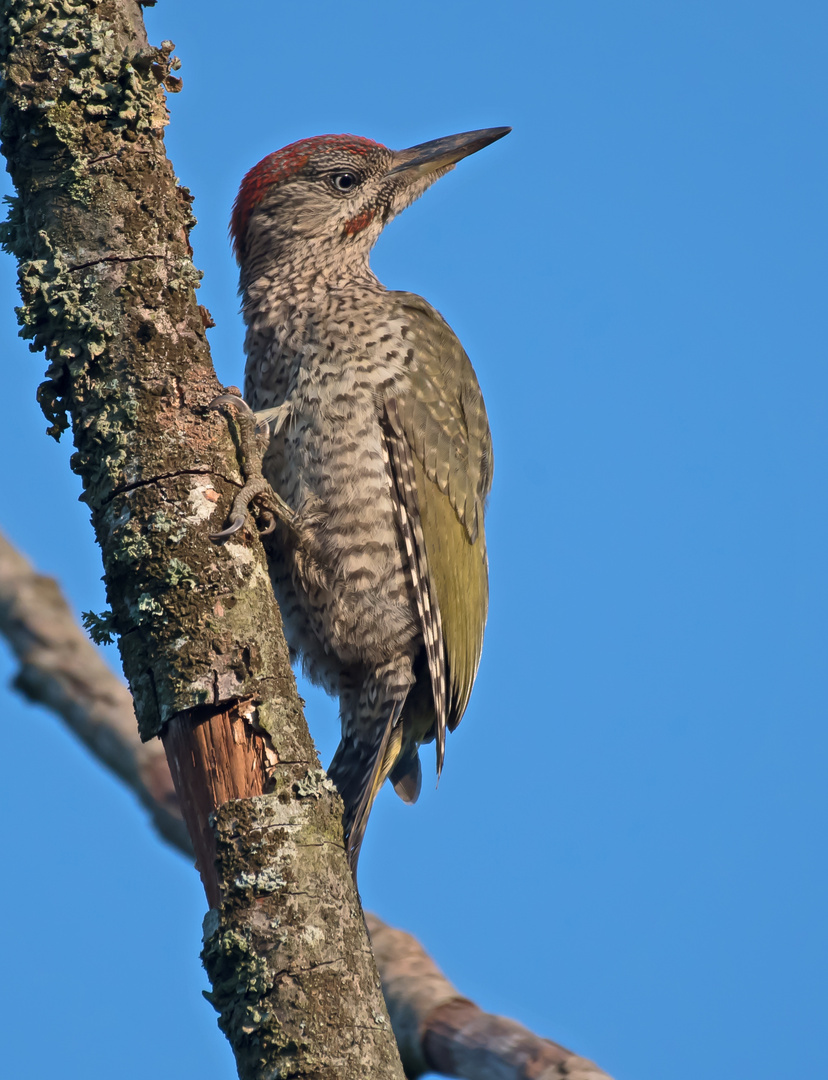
(359, 769)
(407, 775)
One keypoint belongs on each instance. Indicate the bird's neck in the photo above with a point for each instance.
(304, 278)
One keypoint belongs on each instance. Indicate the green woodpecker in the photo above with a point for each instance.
(379, 447)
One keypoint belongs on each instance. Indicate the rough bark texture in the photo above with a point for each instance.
(100, 228)
(268, 934)
(435, 1027)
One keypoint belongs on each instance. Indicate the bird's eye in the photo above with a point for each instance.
(344, 181)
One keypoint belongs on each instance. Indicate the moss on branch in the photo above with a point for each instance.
(100, 228)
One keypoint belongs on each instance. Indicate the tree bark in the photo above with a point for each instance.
(100, 229)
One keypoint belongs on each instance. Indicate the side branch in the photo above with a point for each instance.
(439, 1030)
(60, 669)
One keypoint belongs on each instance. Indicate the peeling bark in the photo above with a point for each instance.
(100, 230)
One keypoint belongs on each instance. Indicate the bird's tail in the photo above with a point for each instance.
(359, 769)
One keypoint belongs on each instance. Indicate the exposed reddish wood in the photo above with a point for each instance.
(213, 757)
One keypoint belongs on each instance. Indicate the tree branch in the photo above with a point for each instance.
(100, 229)
(437, 1029)
(61, 669)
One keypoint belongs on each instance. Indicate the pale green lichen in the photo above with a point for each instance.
(148, 607)
(134, 547)
(239, 977)
(313, 784)
(89, 80)
(266, 880)
(163, 522)
(308, 931)
(100, 626)
(56, 318)
(100, 234)
(179, 573)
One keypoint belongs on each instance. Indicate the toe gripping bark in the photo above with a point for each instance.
(253, 439)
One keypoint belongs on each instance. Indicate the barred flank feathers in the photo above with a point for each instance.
(406, 508)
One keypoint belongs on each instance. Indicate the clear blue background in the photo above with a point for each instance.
(627, 849)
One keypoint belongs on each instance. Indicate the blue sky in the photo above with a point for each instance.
(627, 848)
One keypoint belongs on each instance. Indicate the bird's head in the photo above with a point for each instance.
(328, 198)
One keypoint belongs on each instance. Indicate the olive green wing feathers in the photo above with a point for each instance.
(443, 414)
(441, 460)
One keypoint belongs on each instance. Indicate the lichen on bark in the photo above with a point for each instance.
(100, 229)
(289, 961)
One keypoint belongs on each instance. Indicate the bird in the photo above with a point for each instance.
(377, 447)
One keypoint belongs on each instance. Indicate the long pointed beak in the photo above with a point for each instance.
(428, 157)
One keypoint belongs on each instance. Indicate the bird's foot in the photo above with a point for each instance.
(254, 438)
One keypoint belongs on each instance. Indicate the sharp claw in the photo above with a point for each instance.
(235, 401)
(231, 530)
(255, 485)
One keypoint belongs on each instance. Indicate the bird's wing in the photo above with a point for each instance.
(441, 459)
(406, 501)
(443, 412)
